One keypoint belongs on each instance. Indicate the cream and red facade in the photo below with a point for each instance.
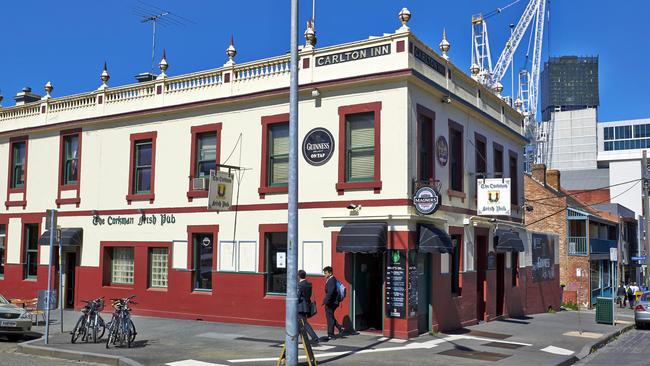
(402, 84)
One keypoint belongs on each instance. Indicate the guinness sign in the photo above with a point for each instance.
(318, 146)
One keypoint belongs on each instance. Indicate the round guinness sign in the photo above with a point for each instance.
(427, 200)
(318, 146)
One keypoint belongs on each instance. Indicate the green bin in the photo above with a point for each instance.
(604, 310)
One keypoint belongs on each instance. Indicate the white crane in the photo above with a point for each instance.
(491, 76)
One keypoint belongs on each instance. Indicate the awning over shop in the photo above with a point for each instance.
(362, 237)
(433, 240)
(69, 237)
(507, 241)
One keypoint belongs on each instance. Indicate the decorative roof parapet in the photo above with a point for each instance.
(104, 77)
(404, 16)
(231, 52)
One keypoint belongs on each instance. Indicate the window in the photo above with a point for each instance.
(70, 160)
(158, 267)
(278, 153)
(30, 245)
(426, 161)
(514, 183)
(498, 160)
(360, 147)
(122, 266)
(455, 264)
(359, 153)
(480, 162)
(3, 240)
(276, 262)
(609, 133)
(18, 164)
(456, 172)
(143, 164)
(202, 243)
(206, 154)
(514, 267)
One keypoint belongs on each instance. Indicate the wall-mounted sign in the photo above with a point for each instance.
(281, 259)
(491, 260)
(220, 191)
(413, 292)
(353, 55)
(162, 219)
(428, 60)
(427, 200)
(543, 258)
(493, 197)
(396, 284)
(442, 150)
(318, 146)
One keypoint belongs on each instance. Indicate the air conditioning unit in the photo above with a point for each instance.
(200, 184)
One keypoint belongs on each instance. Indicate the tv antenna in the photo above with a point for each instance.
(152, 14)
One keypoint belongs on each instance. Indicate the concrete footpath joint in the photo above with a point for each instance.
(29, 348)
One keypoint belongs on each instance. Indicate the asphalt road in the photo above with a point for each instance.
(9, 357)
(630, 349)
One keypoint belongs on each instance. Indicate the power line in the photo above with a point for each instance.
(583, 191)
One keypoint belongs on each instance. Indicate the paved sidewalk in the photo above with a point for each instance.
(543, 339)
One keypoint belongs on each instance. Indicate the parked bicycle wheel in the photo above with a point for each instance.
(78, 329)
(132, 332)
(112, 333)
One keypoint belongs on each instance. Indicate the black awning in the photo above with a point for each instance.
(433, 240)
(362, 237)
(69, 237)
(507, 241)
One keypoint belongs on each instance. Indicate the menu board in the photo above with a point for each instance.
(543, 258)
(413, 284)
(396, 284)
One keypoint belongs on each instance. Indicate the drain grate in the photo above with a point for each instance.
(503, 345)
(475, 355)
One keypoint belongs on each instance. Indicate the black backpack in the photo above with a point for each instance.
(630, 292)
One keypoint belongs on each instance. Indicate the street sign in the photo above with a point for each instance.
(639, 259)
(613, 254)
(220, 191)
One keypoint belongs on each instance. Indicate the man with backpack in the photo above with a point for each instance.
(304, 304)
(331, 301)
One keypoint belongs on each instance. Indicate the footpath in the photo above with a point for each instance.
(560, 338)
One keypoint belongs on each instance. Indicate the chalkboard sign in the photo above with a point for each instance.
(543, 258)
(492, 260)
(396, 284)
(42, 300)
(413, 283)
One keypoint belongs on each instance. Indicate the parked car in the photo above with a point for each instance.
(642, 311)
(14, 321)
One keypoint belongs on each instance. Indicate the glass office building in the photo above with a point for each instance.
(569, 83)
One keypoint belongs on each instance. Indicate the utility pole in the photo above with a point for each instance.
(646, 211)
(291, 322)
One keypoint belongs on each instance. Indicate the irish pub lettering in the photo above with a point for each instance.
(162, 219)
(353, 55)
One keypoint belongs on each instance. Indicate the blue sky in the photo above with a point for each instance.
(67, 42)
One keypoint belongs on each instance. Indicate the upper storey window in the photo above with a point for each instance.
(18, 164)
(70, 160)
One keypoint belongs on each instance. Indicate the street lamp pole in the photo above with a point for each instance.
(291, 322)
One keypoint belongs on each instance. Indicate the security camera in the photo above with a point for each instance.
(315, 93)
(352, 206)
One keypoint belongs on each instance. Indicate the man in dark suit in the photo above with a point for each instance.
(331, 302)
(304, 301)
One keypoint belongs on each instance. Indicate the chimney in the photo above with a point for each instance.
(26, 96)
(553, 178)
(539, 173)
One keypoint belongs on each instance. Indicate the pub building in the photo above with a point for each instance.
(382, 119)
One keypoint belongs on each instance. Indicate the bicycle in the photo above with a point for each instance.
(90, 322)
(121, 328)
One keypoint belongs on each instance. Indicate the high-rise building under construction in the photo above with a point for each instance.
(569, 83)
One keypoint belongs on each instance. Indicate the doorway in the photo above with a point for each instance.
(501, 264)
(481, 270)
(367, 285)
(424, 292)
(70, 265)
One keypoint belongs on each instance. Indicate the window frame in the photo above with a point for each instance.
(496, 150)
(62, 187)
(479, 157)
(23, 202)
(111, 280)
(150, 250)
(24, 251)
(375, 184)
(132, 195)
(202, 229)
(426, 116)
(265, 229)
(264, 187)
(514, 179)
(271, 156)
(458, 291)
(460, 175)
(195, 132)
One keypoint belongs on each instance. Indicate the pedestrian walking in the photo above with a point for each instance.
(304, 304)
(621, 295)
(630, 296)
(331, 302)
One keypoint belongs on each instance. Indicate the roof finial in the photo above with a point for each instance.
(104, 77)
(48, 89)
(444, 45)
(404, 16)
(231, 52)
(163, 65)
(310, 35)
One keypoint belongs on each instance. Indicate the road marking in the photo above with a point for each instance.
(318, 348)
(193, 363)
(496, 340)
(557, 351)
(575, 333)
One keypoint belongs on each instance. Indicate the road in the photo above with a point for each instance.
(9, 357)
(629, 349)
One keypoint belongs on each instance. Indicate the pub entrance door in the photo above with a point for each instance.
(367, 286)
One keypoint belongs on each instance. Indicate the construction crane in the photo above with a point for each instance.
(484, 72)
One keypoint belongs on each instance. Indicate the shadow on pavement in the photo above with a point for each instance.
(350, 353)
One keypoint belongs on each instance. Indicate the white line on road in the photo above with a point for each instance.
(193, 363)
(557, 351)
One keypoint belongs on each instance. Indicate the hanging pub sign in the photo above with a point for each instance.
(442, 150)
(427, 200)
(396, 284)
(318, 146)
(493, 197)
(220, 191)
